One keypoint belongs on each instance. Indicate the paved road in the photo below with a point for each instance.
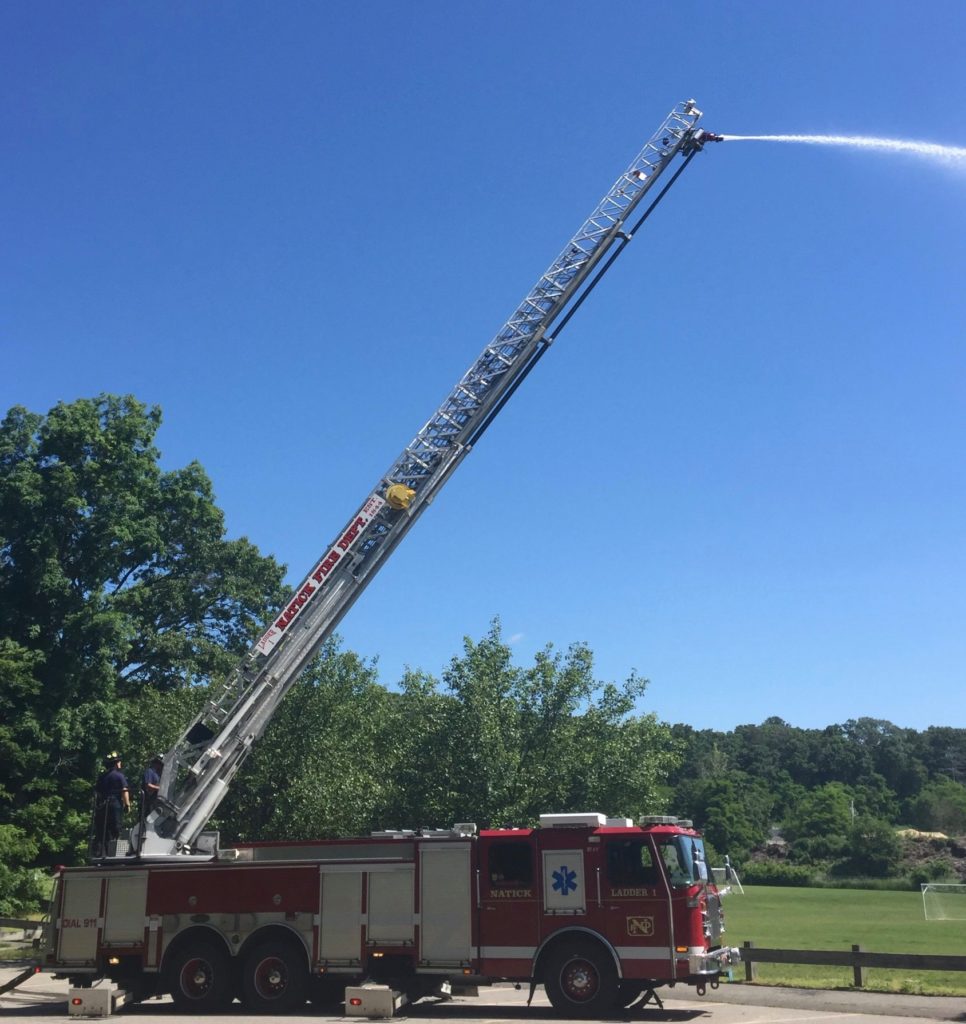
(43, 999)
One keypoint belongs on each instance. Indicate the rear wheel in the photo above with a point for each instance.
(275, 978)
(581, 979)
(199, 978)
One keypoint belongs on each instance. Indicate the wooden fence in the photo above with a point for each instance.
(19, 939)
(857, 958)
(20, 923)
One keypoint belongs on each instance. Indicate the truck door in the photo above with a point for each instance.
(633, 910)
(509, 923)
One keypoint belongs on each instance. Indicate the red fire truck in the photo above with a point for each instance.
(597, 910)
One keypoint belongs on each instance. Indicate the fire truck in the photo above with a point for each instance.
(596, 909)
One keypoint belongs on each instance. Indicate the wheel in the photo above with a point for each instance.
(581, 979)
(275, 978)
(199, 978)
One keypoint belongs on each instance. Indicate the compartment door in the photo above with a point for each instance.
(340, 927)
(564, 888)
(445, 912)
(391, 910)
(79, 919)
(125, 919)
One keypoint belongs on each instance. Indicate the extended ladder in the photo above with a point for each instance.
(200, 765)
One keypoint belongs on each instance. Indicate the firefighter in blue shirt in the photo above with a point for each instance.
(112, 799)
(151, 785)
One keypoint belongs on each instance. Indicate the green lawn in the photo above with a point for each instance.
(880, 922)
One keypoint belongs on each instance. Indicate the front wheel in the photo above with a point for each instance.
(581, 979)
(275, 978)
(199, 978)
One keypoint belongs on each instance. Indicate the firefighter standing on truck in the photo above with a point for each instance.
(151, 785)
(112, 799)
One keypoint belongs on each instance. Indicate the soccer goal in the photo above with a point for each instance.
(944, 901)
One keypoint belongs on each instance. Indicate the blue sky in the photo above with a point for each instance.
(293, 226)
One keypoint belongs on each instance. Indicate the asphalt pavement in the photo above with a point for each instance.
(41, 998)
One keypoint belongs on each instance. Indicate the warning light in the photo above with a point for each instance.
(681, 949)
(76, 1001)
(355, 1001)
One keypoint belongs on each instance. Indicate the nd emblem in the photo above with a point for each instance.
(640, 926)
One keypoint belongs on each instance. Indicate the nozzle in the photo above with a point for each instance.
(697, 139)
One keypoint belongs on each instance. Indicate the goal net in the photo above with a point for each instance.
(944, 901)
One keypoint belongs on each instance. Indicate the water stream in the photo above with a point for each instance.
(950, 156)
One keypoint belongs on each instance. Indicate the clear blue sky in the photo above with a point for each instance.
(294, 225)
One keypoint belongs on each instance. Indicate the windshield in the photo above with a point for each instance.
(683, 857)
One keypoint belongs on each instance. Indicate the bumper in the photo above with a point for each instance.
(714, 962)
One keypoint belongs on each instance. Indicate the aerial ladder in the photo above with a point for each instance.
(200, 765)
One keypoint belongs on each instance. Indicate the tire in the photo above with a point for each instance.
(275, 978)
(581, 979)
(199, 978)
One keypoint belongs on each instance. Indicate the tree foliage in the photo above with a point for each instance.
(940, 806)
(117, 584)
(492, 742)
(834, 796)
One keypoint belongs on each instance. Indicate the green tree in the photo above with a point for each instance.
(116, 579)
(493, 742)
(326, 761)
(942, 750)
(733, 810)
(22, 888)
(819, 825)
(873, 849)
(549, 737)
(939, 807)
(827, 809)
(892, 751)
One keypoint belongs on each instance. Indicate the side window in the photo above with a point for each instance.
(510, 864)
(677, 870)
(630, 862)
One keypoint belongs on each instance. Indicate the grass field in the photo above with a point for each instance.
(880, 922)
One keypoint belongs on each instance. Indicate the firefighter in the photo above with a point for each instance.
(112, 799)
(151, 785)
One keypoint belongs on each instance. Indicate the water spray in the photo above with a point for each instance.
(951, 156)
